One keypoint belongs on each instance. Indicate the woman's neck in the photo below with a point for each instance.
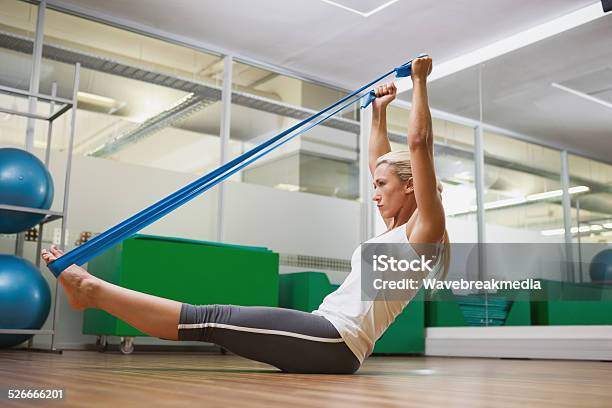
(404, 215)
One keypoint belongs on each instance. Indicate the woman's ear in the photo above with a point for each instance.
(409, 187)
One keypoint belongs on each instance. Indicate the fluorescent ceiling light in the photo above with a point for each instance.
(582, 95)
(543, 196)
(578, 189)
(574, 230)
(505, 203)
(361, 13)
(464, 175)
(288, 187)
(553, 232)
(512, 43)
(521, 200)
(556, 193)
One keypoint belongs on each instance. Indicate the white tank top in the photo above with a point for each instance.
(361, 322)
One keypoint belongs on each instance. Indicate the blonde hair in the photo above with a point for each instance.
(399, 161)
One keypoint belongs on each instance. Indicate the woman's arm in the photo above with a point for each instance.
(430, 224)
(379, 143)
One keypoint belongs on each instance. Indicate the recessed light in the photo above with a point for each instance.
(361, 13)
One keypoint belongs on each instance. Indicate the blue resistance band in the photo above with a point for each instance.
(130, 226)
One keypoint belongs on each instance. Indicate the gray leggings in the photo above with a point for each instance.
(291, 340)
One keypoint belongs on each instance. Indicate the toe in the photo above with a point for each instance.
(47, 257)
(56, 252)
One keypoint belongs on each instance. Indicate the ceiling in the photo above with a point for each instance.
(327, 42)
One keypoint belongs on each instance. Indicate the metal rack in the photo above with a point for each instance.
(64, 105)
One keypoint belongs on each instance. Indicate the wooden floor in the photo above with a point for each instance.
(92, 379)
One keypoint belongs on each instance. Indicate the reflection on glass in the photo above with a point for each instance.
(17, 19)
(454, 161)
(522, 191)
(131, 48)
(287, 90)
(309, 173)
(321, 161)
(120, 118)
(592, 210)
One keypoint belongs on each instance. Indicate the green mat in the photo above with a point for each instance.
(484, 310)
(189, 271)
(306, 290)
(504, 308)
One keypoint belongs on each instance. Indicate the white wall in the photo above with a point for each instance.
(291, 222)
(104, 192)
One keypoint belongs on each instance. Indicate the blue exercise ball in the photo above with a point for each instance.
(25, 299)
(25, 182)
(601, 267)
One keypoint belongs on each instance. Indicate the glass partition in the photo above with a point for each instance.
(287, 90)
(131, 48)
(591, 224)
(592, 209)
(523, 196)
(454, 161)
(17, 20)
(322, 161)
(135, 109)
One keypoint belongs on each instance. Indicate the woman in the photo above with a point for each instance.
(338, 336)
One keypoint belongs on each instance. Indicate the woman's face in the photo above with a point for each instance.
(390, 192)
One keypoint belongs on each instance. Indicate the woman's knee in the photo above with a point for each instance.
(194, 321)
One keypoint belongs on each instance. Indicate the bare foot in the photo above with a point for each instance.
(78, 284)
